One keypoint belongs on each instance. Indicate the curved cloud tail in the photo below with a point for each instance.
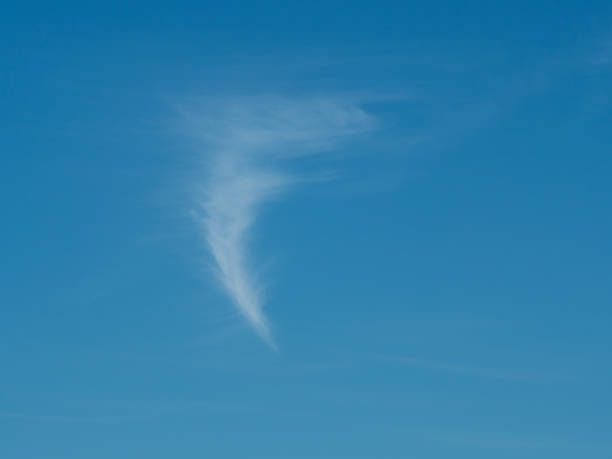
(230, 207)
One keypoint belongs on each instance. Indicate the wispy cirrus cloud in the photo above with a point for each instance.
(502, 443)
(246, 144)
(53, 417)
(471, 370)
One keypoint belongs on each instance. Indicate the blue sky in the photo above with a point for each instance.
(314, 230)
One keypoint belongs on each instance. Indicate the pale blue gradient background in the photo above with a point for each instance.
(448, 295)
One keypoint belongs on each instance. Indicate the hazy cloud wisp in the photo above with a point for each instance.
(247, 144)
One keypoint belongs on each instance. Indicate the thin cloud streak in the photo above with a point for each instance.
(246, 144)
(494, 442)
(447, 367)
(53, 418)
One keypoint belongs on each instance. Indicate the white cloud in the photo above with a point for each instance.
(243, 141)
